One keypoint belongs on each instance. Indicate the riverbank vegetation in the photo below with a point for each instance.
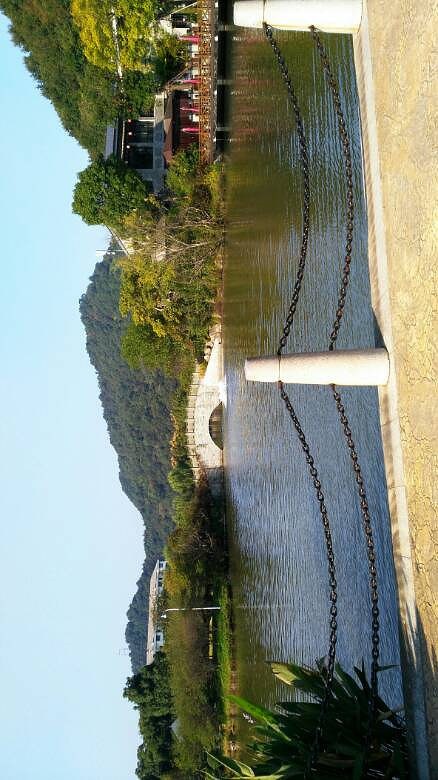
(167, 290)
(179, 721)
(193, 669)
(170, 277)
(198, 641)
(169, 282)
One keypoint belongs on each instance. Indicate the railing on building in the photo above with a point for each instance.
(207, 112)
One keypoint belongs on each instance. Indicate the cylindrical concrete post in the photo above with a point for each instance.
(340, 367)
(336, 16)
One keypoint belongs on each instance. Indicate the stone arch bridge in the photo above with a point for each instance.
(205, 395)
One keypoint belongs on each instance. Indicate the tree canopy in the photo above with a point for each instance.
(169, 282)
(117, 32)
(107, 191)
(85, 96)
(82, 94)
(149, 691)
(149, 292)
(142, 348)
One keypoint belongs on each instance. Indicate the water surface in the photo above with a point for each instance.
(278, 557)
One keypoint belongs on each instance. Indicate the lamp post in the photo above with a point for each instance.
(186, 609)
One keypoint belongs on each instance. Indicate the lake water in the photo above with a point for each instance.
(278, 559)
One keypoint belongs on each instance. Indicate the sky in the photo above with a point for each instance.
(71, 543)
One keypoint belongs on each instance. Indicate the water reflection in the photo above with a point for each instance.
(277, 548)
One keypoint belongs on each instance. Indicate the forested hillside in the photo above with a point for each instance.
(136, 407)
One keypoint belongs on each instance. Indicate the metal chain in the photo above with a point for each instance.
(301, 436)
(349, 180)
(306, 186)
(366, 519)
(336, 395)
(331, 655)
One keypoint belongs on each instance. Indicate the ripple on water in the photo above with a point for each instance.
(277, 549)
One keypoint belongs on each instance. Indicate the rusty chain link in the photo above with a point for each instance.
(366, 518)
(336, 395)
(304, 157)
(349, 181)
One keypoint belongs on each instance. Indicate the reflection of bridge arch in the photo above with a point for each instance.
(204, 400)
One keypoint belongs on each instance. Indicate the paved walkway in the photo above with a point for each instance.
(397, 66)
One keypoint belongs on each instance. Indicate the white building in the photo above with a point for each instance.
(155, 634)
(139, 144)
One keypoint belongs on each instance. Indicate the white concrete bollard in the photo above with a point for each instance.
(340, 367)
(336, 16)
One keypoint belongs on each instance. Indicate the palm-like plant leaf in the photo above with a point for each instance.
(270, 719)
(282, 739)
(235, 767)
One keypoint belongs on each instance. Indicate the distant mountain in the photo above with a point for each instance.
(136, 407)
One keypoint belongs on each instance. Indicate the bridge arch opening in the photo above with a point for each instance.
(215, 424)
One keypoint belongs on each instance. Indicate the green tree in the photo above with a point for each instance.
(148, 293)
(142, 348)
(82, 94)
(181, 479)
(183, 173)
(168, 56)
(149, 691)
(120, 32)
(93, 20)
(107, 191)
(192, 683)
(139, 90)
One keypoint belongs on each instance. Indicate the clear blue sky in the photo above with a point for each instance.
(71, 542)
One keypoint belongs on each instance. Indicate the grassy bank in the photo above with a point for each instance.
(224, 651)
(198, 653)
(198, 642)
